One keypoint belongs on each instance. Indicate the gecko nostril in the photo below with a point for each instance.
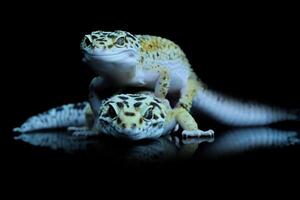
(123, 125)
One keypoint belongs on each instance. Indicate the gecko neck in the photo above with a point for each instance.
(122, 76)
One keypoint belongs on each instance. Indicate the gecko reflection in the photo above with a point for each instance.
(149, 151)
(230, 143)
(244, 140)
(56, 140)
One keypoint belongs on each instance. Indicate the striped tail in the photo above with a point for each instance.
(60, 117)
(232, 112)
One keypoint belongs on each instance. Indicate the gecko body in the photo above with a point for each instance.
(122, 59)
(130, 116)
(142, 115)
(125, 60)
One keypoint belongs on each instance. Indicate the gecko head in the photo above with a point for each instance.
(110, 50)
(132, 116)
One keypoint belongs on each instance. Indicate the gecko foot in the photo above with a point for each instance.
(81, 131)
(197, 134)
(73, 128)
(84, 133)
(195, 140)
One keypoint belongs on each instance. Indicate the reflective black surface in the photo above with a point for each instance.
(253, 143)
(248, 53)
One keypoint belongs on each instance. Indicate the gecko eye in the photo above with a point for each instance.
(148, 114)
(120, 41)
(111, 112)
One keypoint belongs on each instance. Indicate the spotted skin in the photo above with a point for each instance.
(108, 40)
(123, 59)
(152, 62)
(151, 48)
(128, 116)
(137, 118)
(144, 116)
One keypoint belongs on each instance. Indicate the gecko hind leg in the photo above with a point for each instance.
(98, 83)
(99, 90)
(188, 93)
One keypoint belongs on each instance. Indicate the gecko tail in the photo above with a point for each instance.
(233, 112)
(59, 117)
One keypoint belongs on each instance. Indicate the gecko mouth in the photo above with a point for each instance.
(126, 135)
(95, 54)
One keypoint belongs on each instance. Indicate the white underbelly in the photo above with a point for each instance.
(179, 74)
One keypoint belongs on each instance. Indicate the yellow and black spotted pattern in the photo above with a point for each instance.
(134, 113)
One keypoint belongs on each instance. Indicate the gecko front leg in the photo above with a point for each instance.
(162, 83)
(99, 89)
(188, 123)
(181, 112)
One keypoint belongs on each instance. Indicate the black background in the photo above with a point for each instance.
(246, 51)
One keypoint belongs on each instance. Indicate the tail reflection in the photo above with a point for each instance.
(241, 140)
